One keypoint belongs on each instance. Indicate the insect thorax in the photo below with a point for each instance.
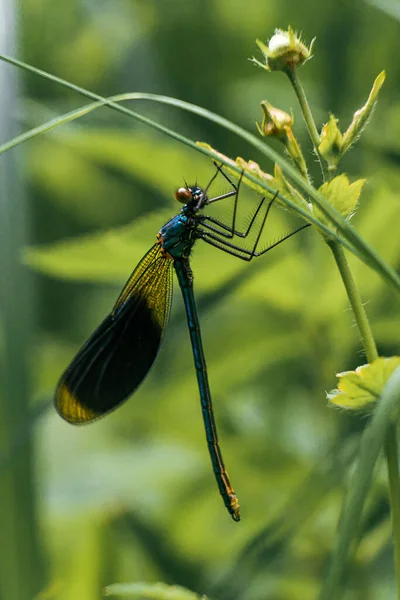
(178, 236)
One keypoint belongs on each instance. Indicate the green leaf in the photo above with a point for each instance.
(100, 257)
(361, 116)
(360, 388)
(341, 194)
(129, 154)
(350, 239)
(154, 591)
(371, 444)
(289, 190)
(110, 257)
(277, 181)
(331, 142)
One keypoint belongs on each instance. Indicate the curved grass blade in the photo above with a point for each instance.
(113, 100)
(351, 239)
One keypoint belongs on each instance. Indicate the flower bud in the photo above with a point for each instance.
(331, 143)
(278, 123)
(284, 51)
(275, 122)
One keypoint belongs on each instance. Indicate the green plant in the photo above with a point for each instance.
(328, 208)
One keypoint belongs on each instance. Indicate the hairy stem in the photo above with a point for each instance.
(308, 118)
(355, 301)
(390, 443)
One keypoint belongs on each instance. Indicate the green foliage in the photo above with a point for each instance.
(132, 498)
(362, 115)
(156, 591)
(341, 194)
(360, 388)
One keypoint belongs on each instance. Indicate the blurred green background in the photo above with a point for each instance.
(132, 497)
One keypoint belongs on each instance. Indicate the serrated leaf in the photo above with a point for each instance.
(361, 388)
(254, 169)
(287, 189)
(277, 181)
(341, 194)
(209, 147)
(153, 591)
(249, 166)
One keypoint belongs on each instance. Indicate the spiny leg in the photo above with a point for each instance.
(229, 228)
(231, 231)
(222, 196)
(208, 236)
(212, 179)
(214, 239)
(243, 253)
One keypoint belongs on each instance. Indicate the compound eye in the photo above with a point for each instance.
(183, 195)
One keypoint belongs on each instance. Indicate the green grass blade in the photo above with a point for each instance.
(113, 100)
(350, 238)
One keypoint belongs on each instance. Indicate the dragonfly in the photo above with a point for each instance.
(115, 360)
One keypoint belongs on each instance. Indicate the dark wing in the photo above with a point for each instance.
(119, 354)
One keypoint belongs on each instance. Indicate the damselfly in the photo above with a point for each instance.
(119, 354)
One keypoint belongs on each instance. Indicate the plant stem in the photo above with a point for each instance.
(371, 443)
(308, 118)
(21, 560)
(355, 301)
(390, 444)
(392, 461)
